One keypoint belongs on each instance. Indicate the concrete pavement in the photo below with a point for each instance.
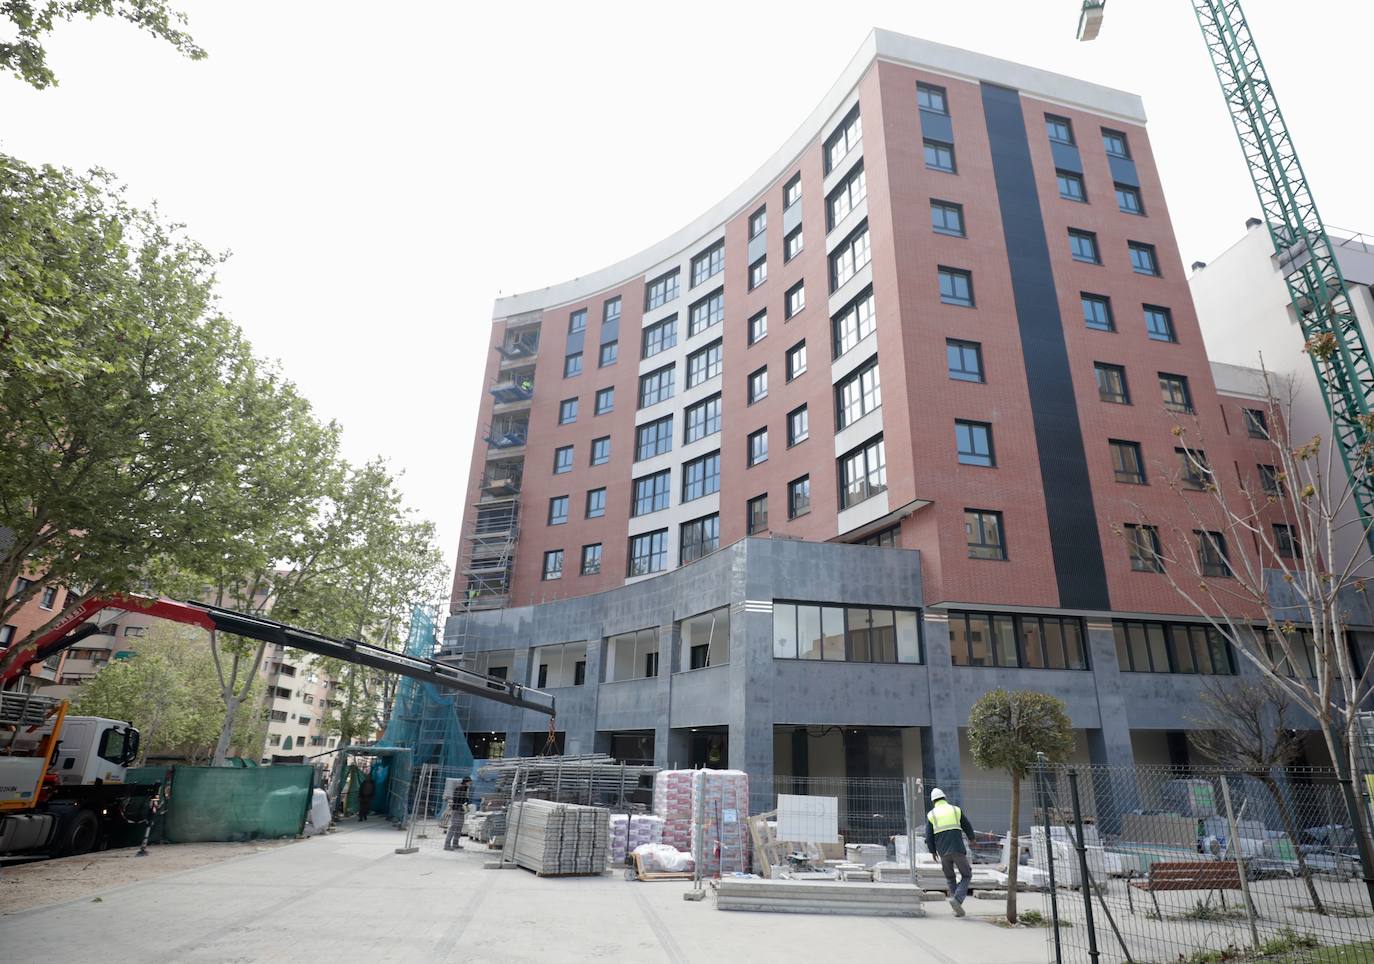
(348, 897)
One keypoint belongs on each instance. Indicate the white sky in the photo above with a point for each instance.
(381, 172)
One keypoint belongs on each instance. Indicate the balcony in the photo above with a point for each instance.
(519, 346)
(514, 387)
(505, 434)
(502, 480)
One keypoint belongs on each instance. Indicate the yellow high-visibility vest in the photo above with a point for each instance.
(945, 816)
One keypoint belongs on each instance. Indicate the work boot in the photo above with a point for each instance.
(958, 906)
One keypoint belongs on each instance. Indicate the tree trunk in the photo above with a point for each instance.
(1013, 847)
(1289, 828)
(226, 730)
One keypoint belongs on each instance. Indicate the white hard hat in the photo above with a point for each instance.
(937, 794)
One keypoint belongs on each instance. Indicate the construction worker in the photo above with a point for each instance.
(946, 828)
(366, 791)
(457, 810)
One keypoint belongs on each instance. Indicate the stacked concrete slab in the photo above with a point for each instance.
(557, 839)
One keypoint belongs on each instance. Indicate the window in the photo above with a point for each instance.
(1083, 246)
(1143, 647)
(956, 287)
(702, 419)
(931, 98)
(605, 401)
(792, 244)
(651, 493)
(661, 290)
(49, 597)
(1071, 186)
(1269, 480)
(1127, 463)
(1159, 323)
(844, 140)
(1285, 542)
(610, 352)
(655, 438)
(863, 473)
(1097, 312)
(1174, 389)
(553, 564)
(1115, 144)
(709, 263)
(567, 411)
(758, 384)
(983, 529)
(856, 634)
(701, 477)
(707, 312)
(846, 197)
(857, 394)
(596, 503)
(1256, 422)
(758, 327)
(947, 217)
(577, 321)
(610, 312)
(798, 426)
(1128, 200)
(699, 537)
(756, 514)
(1194, 472)
(887, 539)
(558, 510)
(758, 447)
(939, 156)
(1142, 545)
(7, 634)
(648, 553)
(1023, 640)
(758, 273)
(796, 360)
(601, 450)
(704, 364)
(572, 364)
(799, 497)
(562, 459)
(1060, 129)
(794, 301)
(974, 443)
(656, 386)
(659, 337)
(1211, 553)
(591, 559)
(854, 323)
(706, 639)
(1143, 260)
(1111, 383)
(791, 191)
(758, 222)
(965, 360)
(852, 255)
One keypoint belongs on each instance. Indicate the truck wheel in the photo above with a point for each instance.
(82, 835)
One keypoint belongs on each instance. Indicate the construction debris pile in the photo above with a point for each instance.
(557, 839)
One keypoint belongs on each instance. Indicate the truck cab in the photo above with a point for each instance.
(94, 750)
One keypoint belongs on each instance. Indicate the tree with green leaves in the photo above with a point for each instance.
(1006, 731)
(32, 20)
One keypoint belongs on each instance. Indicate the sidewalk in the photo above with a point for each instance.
(348, 897)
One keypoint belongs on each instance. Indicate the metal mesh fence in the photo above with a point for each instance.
(429, 813)
(1191, 864)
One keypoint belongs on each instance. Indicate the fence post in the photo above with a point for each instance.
(1234, 846)
(1083, 866)
(410, 847)
(1049, 853)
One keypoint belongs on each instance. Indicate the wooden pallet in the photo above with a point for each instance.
(637, 872)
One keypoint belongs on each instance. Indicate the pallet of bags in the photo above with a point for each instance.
(673, 805)
(721, 798)
(620, 838)
(644, 829)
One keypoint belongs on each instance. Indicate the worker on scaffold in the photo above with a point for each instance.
(946, 828)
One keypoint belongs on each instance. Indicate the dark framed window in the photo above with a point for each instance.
(799, 497)
(1115, 144)
(701, 477)
(758, 447)
(850, 257)
(1142, 545)
(577, 321)
(704, 364)
(1269, 480)
(758, 327)
(931, 98)
(1059, 128)
(973, 441)
(792, 244)
(798, 426)
(947, 218)
(792, 191)
(1256, 422)
(702, 419)
(848, 195)
(656, 386)
(756, 514)
(856, 634)
(956, 287)
(1097, 312)
(1127, 463)
(661, 290)
(562, 459)
(706, 313)
(698, 537)
(648, 553)
(654, 438)
(1194, 471)
(796, 359)
(605, 400)
(572, 365)
(795, 300)
(1211, 553)
(855, 322)
(1128, 200)
(845, 138)
(1143, 260)
(659, 337)
(709, 263)
(1071, 186)
(610, 354)
(610, 311)
(596, 503)
(939, 156)
(886, 539)
(591, 565)
(567, 411)
(965, 360)
(1153, 647)
(651, 493)
(858, 393)
(1159, 323)
(1286, 542)
(985, 534)
(758, 384)
(1021, 640)
(553, 565)
(1083, 246)
(601, 450)
(1111, 383)
(758, 273)
(1174, 391)
(558, 510)
(863, 472)
(758, 222)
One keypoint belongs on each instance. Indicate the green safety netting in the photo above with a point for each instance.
(230, 803)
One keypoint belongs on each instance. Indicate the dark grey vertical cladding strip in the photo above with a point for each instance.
(1074, 541)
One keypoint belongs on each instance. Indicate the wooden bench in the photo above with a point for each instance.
(1213, 875)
